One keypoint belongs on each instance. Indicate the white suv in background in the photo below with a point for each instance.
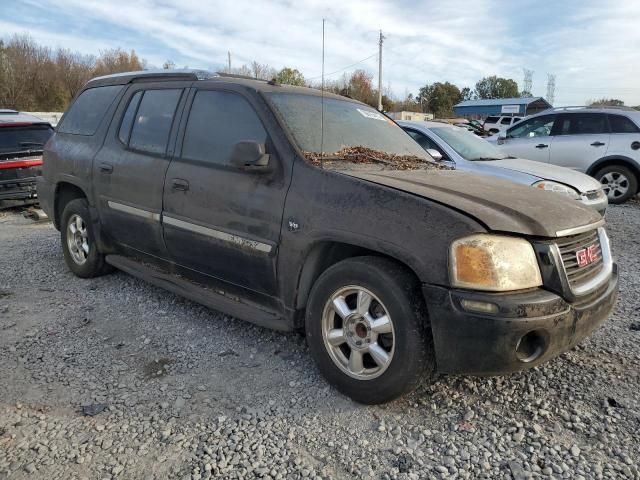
(603, 142)
(499, 123)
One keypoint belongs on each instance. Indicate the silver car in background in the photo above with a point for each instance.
(603, 142)
(464, 150)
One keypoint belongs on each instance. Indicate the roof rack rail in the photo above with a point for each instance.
(178, 74)
(246, 77)
(587, 107)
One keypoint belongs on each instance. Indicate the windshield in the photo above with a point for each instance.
(22, 138)
(346, 124)
(468, 145)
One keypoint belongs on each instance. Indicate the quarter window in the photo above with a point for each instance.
(86, 113)
(153, 120)
(620, 124)
(217, 121)
(583, 124)
(534, 127)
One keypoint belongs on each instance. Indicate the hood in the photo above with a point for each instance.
(545, 171)
(501, 205)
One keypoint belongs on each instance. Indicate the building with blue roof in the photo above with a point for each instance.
(497, 106)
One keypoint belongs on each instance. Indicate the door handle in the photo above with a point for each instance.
(597, 144)
(106, 168)
(542, 145)
(179, 184)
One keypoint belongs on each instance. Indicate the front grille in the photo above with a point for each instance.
(569, 247)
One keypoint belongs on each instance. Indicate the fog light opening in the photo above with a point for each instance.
(531, 346)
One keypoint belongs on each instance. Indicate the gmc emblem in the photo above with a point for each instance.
(587, 256)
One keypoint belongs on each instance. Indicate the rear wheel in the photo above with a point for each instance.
(78, 241)
(618, 182)
(365, 326)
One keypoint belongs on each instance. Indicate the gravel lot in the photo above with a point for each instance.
(190, 393)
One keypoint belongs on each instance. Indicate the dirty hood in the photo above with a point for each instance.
(501, 205)
(545, 171)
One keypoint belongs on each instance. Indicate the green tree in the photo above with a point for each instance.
(466, 94)
(439, 98)
(291, 76)
(497, 87)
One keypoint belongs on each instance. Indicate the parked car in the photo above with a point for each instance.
(21, 141)
(603, 142)
(499, 123)
(465, 151)
(231, 193)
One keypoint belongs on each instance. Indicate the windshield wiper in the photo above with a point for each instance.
(33, 144)
(486, 159)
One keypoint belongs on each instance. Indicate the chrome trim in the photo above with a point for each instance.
(605, 273)
(138, 212)
(217, 234)
(582, 229)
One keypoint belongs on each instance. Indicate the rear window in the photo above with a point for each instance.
(492, 120)
(583, 124)
(23, 138)
(621, 124)
(86, 113)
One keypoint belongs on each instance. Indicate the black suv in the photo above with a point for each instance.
(22, 138)
(221, 190)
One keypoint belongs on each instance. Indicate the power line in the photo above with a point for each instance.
(345, 68)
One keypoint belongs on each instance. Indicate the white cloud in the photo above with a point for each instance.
(426, 41)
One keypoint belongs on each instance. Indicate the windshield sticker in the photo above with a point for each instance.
(373, 115)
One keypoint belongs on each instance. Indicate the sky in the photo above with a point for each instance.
(591, 46)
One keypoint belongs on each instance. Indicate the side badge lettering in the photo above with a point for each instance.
(293, 225)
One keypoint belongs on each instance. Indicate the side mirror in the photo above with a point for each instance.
(437, 156)
(250, 156)
(502, 138)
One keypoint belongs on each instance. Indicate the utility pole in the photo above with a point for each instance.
(229, 60)
(380, 71)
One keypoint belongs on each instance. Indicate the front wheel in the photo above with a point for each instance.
(366, 329)
(618, 182)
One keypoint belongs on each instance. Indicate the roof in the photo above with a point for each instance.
(425, 125)
(205, 76)
(500, 101)
(12, 116)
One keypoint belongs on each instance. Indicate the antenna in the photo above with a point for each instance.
(229, 61)
(382, 37)
(322, 105)
(551, 87)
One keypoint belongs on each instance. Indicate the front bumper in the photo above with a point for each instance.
(527, 329)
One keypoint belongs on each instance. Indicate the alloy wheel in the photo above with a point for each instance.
(77, 239)
(614, 184)
(358, 334)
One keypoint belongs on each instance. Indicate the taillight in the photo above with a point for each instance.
(34, 162)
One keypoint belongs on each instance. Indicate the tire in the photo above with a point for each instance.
(624, 181)
(407, 342)
(78, 241)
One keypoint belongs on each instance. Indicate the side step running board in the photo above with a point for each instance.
(198, 293)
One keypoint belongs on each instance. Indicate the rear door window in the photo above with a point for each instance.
(505, 121)
(153, 120)
(86, 113)
(583, 124)
(217, 121)
(622, 124)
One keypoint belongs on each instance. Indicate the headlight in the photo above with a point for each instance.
(494, 263)
(558, 188)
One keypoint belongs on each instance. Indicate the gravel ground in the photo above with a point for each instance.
(173, 390)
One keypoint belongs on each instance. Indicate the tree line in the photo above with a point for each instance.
(37, 78)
